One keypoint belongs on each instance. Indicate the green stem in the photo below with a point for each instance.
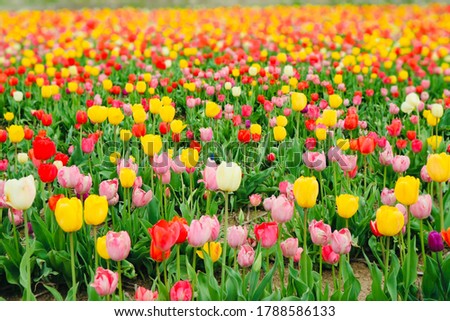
(16, 236)
(208, 202)
(365, 172)
(386, 262)
(27, 245)
(384, 177)
(178, 263)
(441, 205)
(320, 274)
(225, 243)
(95, 246)
(408, 261)
(422, 244)
(297, 133)
(194, 260)
(235, 260)
(72, 265)
(305, 229)
(119, 271)
(165, 271)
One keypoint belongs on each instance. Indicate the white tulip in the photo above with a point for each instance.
(228, 85)
(20, 193)
(228, 176)
(58, 164)
(22, 158)
(437, 110)
(18, 96)
(413, 99)
(236, 91)
(288, 71)
(252, 71)
(407, 108)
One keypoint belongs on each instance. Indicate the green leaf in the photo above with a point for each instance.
(54, 292)
(377, 293)
(392, 277)
(72, 291)
(411, 256)
(24, 265)
(259, 292)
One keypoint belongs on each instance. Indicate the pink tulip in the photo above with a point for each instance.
(206, 134)
(209, 176)
(15, 216)
(181, 291)
(298, 254)
(177, 165)
(289, 247)
(246, 111)
(320, 232)
(87, 145)
(386, 156)
(143, 294)
(341, 241)
(315, 160)
(215, 226)
(118, 245)
(334, 153)
(68, 176)
(105, 282)
(255, 199)
(3, 165)
(137, 182)
(388, 196)
(246, 256)
(422, 208)
(283, 186)
(199, 233)
(161, 163)
(165, 178)
(84, 184)
(141, 198)
(267, 203)
(400, 163)
(348, 162)
(329, 256)
(109, 189)
(282, 209)
(237, 235)
(424, 174)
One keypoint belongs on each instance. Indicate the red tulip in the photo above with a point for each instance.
(267, 233)
(158, 255)
(351, 122)
(416, 145)
(310, 143)
(244, 136)
(44, 148)
(366, 145)
(3, 135)
(81, 117)
(271, 157)
(53, 200)
(139, 130)
(411, 134)
(28, 133)
(183, 229)
(63, 158)
(354, 144)
(181, 291)
(47, 172)
(164, 128)
(374, 229)
(395, 128)
(164, 234)
(401, 143)
(47, 119)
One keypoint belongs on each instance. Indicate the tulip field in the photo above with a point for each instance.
(236, 153)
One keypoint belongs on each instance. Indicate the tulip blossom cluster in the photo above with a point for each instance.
(188, 153)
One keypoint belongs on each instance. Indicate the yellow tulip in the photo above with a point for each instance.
(407, 190)
(141, 87)
(438, 167)
(343, 144)
(255, 129)
(329, 117)
(432, 121)
(114, 157)
(115, 116)
(139, 114)
(189, 157)
(211, 109)
(155, 105)
(98, 114)
(177, 126)
(95, 209)
(125, 135)
(334, 101)
(167, 113)
(107, 84)
(390, 220)
(16, 133)
(101, 248)
(46, 91)
(279, 133)
(321, 133)
(72, 86)
(213, 249)
(8, 116)
(151, 144)
(347, 205)
(129, 88)
(434, 142)
(298, 101)
(306, 190)
(166, 100)
(282, 121)
(69, 214)
(127, 176)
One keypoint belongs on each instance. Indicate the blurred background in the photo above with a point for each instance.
(75, 4)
